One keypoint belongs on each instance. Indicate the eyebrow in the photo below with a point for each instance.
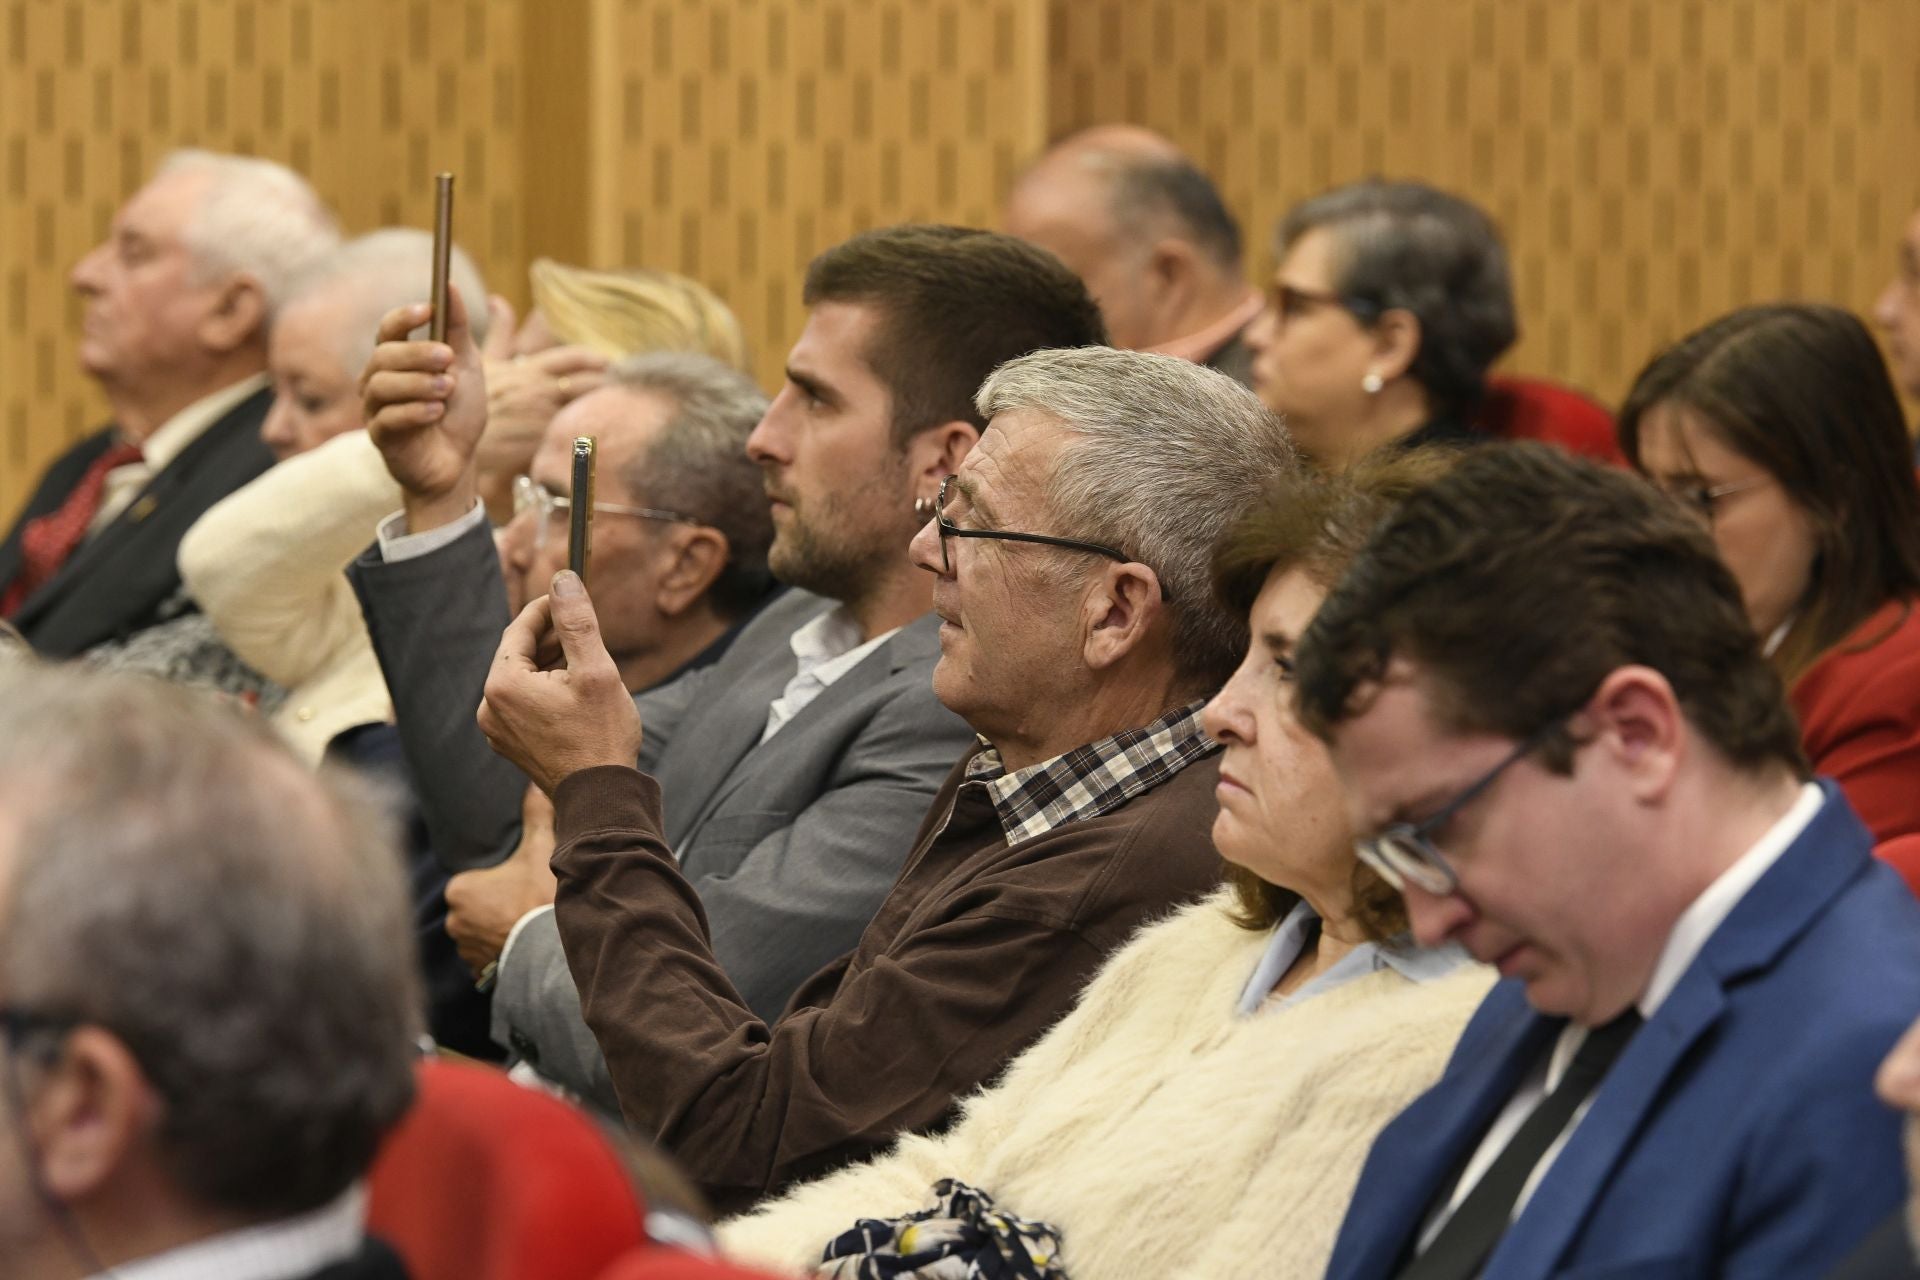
(1277, 641)
(971, 493)
(813, 387)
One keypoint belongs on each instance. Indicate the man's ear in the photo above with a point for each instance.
(1172, 267)
(92, 1110)
(1396, 338)
(1635, 718)
(936, 453)
(695, 556)
(1119, 612)
(238, 315)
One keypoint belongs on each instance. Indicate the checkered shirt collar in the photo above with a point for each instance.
(1091, 780)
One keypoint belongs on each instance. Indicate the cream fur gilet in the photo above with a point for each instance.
(1163, 1134)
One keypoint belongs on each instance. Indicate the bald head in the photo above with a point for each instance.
(1136, 220)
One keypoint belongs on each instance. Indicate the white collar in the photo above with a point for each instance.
(1698, 922)
(167, 441)
(282, 1250)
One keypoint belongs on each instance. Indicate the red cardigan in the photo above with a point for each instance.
(1859, 709)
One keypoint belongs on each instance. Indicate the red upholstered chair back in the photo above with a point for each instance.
(1534, 409)
(658, 1263)
(486, 1180)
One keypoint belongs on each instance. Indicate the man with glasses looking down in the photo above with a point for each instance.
(1078, 637)
(1541, 690)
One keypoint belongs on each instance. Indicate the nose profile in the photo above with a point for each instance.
(1435, 919)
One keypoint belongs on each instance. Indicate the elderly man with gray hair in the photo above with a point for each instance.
(1079, 638)
(178, 302)
(207, 1001)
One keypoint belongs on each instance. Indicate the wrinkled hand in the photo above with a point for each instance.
(554, 723)
(483, 906)
(426, 403)
(525, 390)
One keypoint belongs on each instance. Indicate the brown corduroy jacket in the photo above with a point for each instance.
(978, 949)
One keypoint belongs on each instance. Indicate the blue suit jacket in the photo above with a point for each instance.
(1738, 1135)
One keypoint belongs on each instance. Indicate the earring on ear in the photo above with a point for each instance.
(923, 507)
(1372, 383)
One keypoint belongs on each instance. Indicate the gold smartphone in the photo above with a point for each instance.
(442, 254)
(580, 507)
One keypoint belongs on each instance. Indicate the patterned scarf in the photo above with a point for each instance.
(962, 1237)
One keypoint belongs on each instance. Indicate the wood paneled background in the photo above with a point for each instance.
(1653, 161)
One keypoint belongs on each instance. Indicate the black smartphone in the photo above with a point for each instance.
(580, 507)
(442, 253)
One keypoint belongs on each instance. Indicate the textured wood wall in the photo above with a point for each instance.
(1654, 162)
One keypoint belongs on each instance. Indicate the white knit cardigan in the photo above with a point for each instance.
(1164, 1134)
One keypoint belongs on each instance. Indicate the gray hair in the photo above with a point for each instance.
(1408, 246)
(384, 269)
(698, 465)
(257, 218)
(177, 878)
(1167, 454)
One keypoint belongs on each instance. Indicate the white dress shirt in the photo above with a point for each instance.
(283, 1250)
(1689, 934)
(825, 648)
(124, 483)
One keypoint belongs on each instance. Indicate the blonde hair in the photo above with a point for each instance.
(622, 313)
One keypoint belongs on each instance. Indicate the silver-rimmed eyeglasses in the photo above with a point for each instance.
(550, 509)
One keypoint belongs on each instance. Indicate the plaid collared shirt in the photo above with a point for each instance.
(1091, 780)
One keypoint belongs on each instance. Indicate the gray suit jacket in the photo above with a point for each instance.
(792, 843)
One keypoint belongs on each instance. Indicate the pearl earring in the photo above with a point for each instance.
(1372, 383)
(923, 507)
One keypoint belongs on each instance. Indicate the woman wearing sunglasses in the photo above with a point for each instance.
(1390, 303)
(1206, 1108)
(1779, 427)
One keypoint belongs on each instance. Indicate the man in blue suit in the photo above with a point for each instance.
(1541, 691)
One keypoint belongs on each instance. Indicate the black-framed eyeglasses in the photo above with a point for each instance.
(1289, 302)
(550, 508)
(1404, 853)
(948, 529)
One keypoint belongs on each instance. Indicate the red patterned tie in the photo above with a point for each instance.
(47, 541)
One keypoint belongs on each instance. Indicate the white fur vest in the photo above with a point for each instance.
(1160, 1132)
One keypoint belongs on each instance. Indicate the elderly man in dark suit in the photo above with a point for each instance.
(801, 762)
(178, 301)
(207, 998)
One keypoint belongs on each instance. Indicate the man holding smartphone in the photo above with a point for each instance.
(802, 763)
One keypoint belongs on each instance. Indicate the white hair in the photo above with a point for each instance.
(257, 219)
(381, 270)
(1168, 454)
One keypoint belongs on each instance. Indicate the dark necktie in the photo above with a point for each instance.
(46, 541)
(1461, 1248)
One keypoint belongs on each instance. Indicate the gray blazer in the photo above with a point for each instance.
(792, 843)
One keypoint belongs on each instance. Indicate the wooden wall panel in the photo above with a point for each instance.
(739, 138)
(1654, 162)
(366, 97)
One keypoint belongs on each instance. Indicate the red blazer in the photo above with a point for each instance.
(1859, 709)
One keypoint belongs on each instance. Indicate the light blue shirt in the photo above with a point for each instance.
(1302, 925)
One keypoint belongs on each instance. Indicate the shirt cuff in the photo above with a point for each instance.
(513, 934)
(396, 544)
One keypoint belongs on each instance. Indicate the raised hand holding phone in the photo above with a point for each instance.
(580, 507)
